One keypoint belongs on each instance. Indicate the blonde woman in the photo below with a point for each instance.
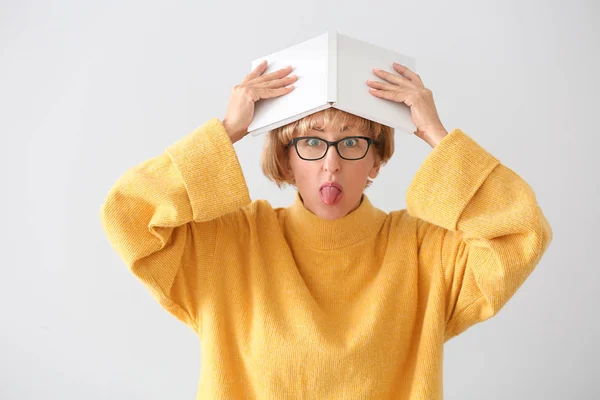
(330, 297)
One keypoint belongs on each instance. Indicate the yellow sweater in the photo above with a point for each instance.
(289, 306)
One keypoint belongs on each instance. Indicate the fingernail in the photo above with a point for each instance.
(376, 69)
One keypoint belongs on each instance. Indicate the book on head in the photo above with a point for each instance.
(332, 71)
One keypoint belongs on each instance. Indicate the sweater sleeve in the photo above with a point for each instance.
(480, 224)
(160, 216)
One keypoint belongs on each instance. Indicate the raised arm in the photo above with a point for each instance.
(480, 223)
(161, 216)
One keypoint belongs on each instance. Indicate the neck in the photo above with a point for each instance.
(360, 223)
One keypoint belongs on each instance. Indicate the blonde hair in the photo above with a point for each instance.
(275, 156)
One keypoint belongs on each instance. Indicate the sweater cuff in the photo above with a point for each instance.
(448, 179)
(211, 171)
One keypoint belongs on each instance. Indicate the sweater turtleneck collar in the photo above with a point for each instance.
(322, 234)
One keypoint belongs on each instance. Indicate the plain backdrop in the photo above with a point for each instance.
(91, 89)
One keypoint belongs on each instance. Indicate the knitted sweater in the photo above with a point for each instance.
(289, 306)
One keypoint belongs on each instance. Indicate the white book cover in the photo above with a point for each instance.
(332, 71)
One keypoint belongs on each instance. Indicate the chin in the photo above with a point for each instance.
(330, 215)
(329, 212)
(337, 211)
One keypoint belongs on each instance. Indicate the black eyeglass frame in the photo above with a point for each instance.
(294, 142)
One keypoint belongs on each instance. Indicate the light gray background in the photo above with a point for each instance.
(88, 90)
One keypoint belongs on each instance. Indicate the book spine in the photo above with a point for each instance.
(332, 59)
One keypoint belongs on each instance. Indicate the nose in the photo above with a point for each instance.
(332, 160)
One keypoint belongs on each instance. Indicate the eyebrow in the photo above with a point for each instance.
(320, 128)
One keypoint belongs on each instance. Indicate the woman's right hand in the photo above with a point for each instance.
(254, 87)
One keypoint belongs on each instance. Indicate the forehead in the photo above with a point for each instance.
(330, 124)
(331, 131)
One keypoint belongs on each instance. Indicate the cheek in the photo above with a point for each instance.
(302, 170)
(363, 167)
(359, 173)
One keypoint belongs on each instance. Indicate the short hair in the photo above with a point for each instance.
(274, 155)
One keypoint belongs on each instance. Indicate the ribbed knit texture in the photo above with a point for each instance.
(289, 306)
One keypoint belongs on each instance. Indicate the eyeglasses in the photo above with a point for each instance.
(313, 148)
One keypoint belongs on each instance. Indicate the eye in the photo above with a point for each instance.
(312, 142)
(350, 142)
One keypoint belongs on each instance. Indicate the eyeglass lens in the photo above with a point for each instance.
(351, 148)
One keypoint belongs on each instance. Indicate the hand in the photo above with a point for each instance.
(409, 89)
(254, 87)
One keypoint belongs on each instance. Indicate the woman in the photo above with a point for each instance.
(329, 297)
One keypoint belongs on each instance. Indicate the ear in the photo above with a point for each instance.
(374, 171)
(288, 173)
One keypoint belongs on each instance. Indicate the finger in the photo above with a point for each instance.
(406, 72)
(280, 73)
(256, 72)
(270, 93)
(388, 95)
(388, 76)
(276, 83)
(382, 85)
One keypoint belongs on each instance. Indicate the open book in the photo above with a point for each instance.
(332, 71)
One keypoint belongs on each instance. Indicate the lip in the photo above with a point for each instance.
(334, 184)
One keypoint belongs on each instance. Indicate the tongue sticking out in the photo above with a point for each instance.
(330, 194)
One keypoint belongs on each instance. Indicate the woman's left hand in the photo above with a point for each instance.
(409, 89)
